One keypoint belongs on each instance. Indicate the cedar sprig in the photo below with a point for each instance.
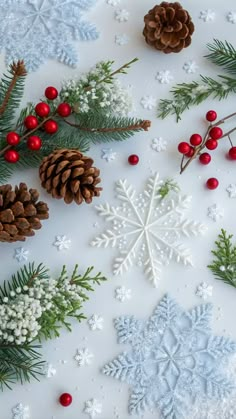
(223, 265)
(168, 186)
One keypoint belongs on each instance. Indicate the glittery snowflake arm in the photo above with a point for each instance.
(127, 328)
(219, 346)
(200, 317)
(164, 314)
(123, 368)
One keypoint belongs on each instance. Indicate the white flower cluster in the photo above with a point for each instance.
(21, 313)
(89, 94)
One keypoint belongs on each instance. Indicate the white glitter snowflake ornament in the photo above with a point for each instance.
(113, 2)
(84, 357)
(164, 76)
(96, 322)
(148, 102)
(21, 254)
(20, 412)
(231, 189)
(215, 212)
(190, 67)
(158, 144)
(151, 225)
(122, 15)
(207, 15)
(62, 243)
(204, 290)
(122, 294)
(121, 39)
(108, 154)
(93, 408)
(231, 17)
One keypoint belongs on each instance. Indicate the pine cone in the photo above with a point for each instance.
(20, 213)
(70, 175)
(168, 27)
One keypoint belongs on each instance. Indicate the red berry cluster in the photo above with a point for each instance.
(196, 144)
(32, 123)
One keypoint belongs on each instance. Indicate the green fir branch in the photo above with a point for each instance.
(222, 54)
(168, 186)
(223, 266)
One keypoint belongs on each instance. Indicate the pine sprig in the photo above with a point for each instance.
(168, 186)
(224, 264)
(222, 54)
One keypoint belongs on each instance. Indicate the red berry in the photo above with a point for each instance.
(51, 93)
(133, 159)
(64, 109)
(13, 138)
(51, 126)
(65, 399)
(216, 133)
(211, 144)
(232, 153)
(195, 139)
(31, 122)
(34, 142)
(211, 116)
(212, 183)
(190, 153)
(42, 109)
(11, 156)
(184, 148)
(205, 158)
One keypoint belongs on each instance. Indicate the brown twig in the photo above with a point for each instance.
(141, 125)
(18, 70)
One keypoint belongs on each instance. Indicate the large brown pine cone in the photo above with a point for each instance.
(20, 213)
(70, 175)
(168, 27)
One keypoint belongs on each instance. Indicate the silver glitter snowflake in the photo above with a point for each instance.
(35, 30)
(148, 102)
(21, 254)
(207, 15)
(93, 408)
(151, 226)
(164, 76)
(231, 189)
(121, 39)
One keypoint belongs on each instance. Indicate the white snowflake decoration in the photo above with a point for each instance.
(62, 243)
(190, 67)
(231, 189)
(93, 408)
(108, 154)
(96, 322)
(113, 2)
(158, 144)
(231, 17)
(121, 39)
(122, 15)
(122, 294)
(207, 15)
(148, 102)
(204, 290)
(84, 357)
(21, 254)
(215, 212)
(164, 76)
(151, 225)
(20, 412)
(50, 371)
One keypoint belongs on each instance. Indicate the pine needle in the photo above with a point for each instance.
(223, 54)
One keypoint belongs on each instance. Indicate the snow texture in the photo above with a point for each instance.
(35, 30)
(174, 360)
(146, 228)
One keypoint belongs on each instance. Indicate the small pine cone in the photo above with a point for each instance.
(70, 175)
(20, 213)
(168, 27)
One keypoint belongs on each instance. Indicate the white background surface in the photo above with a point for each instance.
(77, 222)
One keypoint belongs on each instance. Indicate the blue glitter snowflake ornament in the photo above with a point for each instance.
(174, 360)
(35, 30)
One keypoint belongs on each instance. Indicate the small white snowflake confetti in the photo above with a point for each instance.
(20, 412)
(231, 189)
(96, 322)
(122, 294)
(158, 144)
(84, 357)
(113, 2)
(50, 370)
(108, 154)
(164, 76)
(122, 15)
(21, 254)
(222, 268)
(190, 67)
(231, 17)
(215, 212)
(62, 243)
(121, 39)
(204, 290)
(207, 15)
(148, 102)
(93, 407)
